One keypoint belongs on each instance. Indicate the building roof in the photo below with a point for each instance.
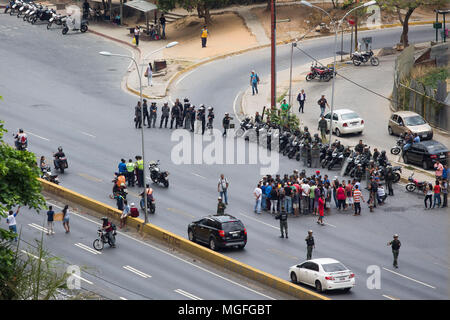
(141, 5)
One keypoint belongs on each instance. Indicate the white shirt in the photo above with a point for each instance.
(257, 192)
(305, 188)
(11, 220)
(223, 183)
(380, 192)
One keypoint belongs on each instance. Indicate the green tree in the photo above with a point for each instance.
(203, 7)
(408, 6)
(18, 178)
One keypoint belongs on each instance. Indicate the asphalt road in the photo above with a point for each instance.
(135, 269)
(66, 94)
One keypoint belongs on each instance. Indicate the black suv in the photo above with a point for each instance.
(426, 153)
(218, 231)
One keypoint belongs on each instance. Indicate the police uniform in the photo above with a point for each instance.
(221, 208)
(153, 115)
(309, 246)
(395, 245)
(283, 223)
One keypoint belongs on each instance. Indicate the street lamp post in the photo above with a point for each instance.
(109, 54)
(336, 27)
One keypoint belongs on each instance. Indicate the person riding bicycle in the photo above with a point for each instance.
(109, 229)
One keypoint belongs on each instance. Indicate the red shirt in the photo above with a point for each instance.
(321, 203)
(340, 193)
(437, 189)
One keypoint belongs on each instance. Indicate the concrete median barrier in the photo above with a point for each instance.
(183, 244)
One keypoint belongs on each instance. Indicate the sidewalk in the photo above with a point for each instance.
(373, 109)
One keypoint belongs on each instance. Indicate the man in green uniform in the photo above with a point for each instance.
(323, 129)
(395, 244)
(220, 207)
(309, 245)
(283, 223)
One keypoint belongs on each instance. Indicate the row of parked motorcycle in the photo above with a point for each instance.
(302, 146)
(34, 12)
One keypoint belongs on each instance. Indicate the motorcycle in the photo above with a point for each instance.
(16, 7)
(244, 126)
(337, 159)
(47, 175)
(414, 184)
(21, 143)
(151, 207)
(102, 238)
(60, 164)
(157, 175)
(70, 22)
(9, 5)
(363, 57)
(323, 73)
(56, 19)
(399, 146)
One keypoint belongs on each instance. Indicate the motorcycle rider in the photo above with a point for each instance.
(382, 159)
(165, 115)
(108, 228)
(360, 147)
(43, 164)
(58, 155)
(21, 140)
(153, 114)
(150, 198)
(210, 119)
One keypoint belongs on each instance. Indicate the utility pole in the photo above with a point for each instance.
(356, 28)
(273, 72)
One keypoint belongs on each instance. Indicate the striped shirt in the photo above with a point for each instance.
(357, 195)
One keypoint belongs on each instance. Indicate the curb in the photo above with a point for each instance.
(196, 65)
(180, 243)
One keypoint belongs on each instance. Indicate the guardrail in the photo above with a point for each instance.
(180, 243)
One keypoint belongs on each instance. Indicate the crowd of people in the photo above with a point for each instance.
(184, 116)
(299, 193)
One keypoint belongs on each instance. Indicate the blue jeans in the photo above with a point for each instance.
(264, 201)
(224, 196)
(254, 87)
(322, 111)
(437, 198)
(257, 208)
(13, 229)
(288, 204)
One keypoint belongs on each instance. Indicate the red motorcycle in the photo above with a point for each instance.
(323, 73)
(414, 184)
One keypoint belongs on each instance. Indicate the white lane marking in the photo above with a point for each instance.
(172, 255)
(82, 279)
(401, 275)
(184, 76)
(195, 174)
(87, 134)
(85, 247)
(187, 294)
(32, 255)
(389, 297)
(122, 298)
(139, 273)
(234, 104)
(37, 135)
(267, 224)
(329, 224)
(36, 226)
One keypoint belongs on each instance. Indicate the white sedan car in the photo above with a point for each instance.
(345, 121)
(323, 274)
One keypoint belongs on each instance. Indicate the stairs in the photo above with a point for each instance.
(172, 17)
